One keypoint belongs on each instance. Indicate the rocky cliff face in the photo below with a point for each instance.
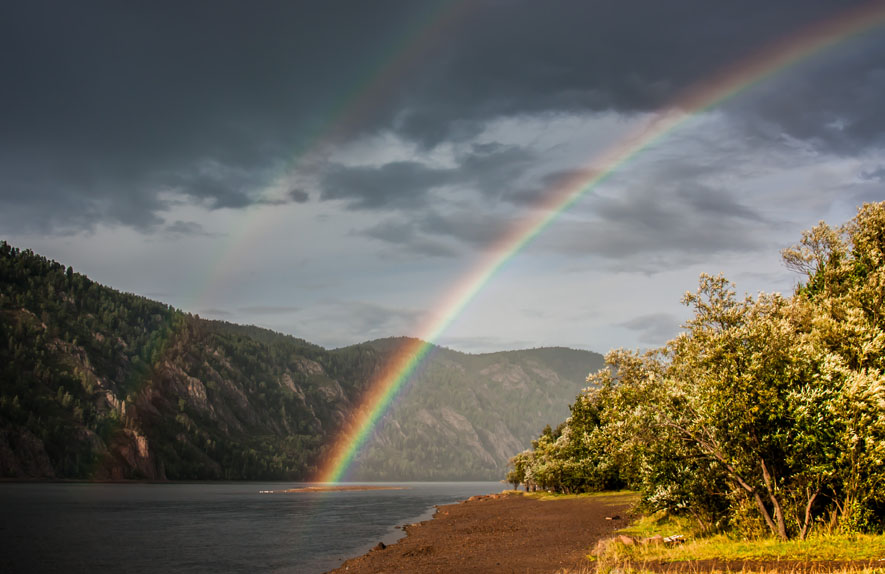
(100, 384)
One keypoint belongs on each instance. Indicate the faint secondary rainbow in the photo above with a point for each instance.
(565, 193)
(344, 115)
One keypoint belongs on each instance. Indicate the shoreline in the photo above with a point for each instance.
(500, 533)
(512, 532)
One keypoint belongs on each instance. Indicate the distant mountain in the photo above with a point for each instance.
(464, 416)
(95, 383)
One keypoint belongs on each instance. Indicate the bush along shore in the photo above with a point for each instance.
(763, 420)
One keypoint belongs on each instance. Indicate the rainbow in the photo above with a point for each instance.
(345, 114)
(703, 96)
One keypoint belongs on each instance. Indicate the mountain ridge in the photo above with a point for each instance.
(101, 384)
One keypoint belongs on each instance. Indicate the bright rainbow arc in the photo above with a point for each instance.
(701, 97)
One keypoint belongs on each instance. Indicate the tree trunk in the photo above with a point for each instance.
(764, 512)
(807, 522)
(778, 512)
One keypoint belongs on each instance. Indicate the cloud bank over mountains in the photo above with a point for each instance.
(377, 149)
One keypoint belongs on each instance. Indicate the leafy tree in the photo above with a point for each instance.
(773, 406)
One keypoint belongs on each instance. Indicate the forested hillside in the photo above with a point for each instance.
(765, 417)
(95, 383)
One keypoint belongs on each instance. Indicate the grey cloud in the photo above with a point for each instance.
(672, 224)
(217, 185)
(401, 184)
(373, 318)
(212, 312)
(483, 344)
(708, 202)
(113, 108)
(436, 234)
(406, 236)
(648, 228)
(832, 102)
(626, 56)
(470, 227)
(269, 309)
(180, 227)
(494, 168)
(490, 169)
(869, 195)
(343, 322)
(877, 174)
(299, 196)
(654, 328)
(159, 295)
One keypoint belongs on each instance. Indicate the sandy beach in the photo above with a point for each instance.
(500, 534)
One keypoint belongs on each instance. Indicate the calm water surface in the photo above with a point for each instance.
(216, 527)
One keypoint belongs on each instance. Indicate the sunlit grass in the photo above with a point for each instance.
(633, 568)
(833, 547)
(818, 547)
(622, 496)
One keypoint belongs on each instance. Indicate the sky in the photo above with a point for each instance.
(334, 169)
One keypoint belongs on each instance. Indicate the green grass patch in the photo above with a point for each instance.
(621, 496)
(818, 547)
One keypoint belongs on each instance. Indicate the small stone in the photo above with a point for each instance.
(380, 546)
(626, 540)
(656, 540)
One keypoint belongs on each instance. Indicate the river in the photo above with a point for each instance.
(216, 528)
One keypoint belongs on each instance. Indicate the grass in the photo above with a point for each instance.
(620, 496)
(639, 569)
(817, 548)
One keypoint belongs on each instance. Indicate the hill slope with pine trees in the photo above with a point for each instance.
(99, 384)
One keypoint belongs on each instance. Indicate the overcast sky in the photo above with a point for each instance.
(332, 169)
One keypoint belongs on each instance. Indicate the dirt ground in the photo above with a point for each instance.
(514, 534)
(506, 534)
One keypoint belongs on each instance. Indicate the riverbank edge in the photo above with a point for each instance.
(447, 529)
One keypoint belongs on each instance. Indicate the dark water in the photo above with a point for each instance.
(195, 528)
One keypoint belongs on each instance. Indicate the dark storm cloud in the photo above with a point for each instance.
(831, 102)
(299, 196)
(401, 184)
(108, 108)
(528, 57)
(490, 169)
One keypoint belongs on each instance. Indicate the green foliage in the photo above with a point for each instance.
(766, 415)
